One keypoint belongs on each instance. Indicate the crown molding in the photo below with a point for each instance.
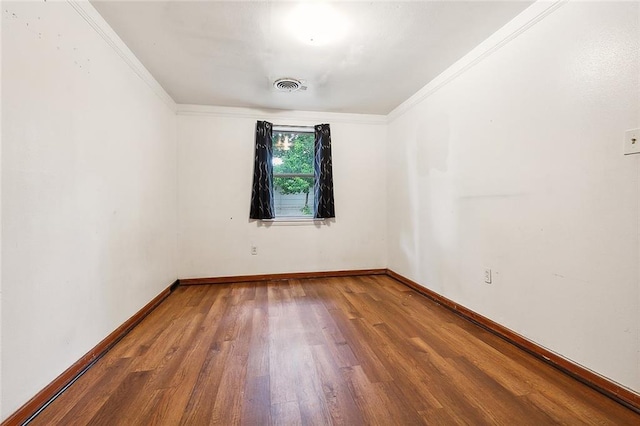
(102, 28)
(509, 32)
(282, 116)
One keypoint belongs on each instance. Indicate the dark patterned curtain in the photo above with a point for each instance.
(262, 191)
(323, 168)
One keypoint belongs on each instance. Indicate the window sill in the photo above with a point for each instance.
(293, 221)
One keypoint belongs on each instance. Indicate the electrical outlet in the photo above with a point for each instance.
(254, 250)
(632, 141)
(487, 275)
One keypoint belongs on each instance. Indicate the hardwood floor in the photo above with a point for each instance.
(351, 351)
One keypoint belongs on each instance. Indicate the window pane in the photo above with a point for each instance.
(293, 197)
(293, 153)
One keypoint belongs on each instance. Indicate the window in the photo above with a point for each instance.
(293, 173)
(293, 162)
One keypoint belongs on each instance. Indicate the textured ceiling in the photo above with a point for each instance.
(229, 53)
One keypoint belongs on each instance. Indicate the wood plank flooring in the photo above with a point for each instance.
(344, 351)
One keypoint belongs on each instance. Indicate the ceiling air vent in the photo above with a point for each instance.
(288, 85)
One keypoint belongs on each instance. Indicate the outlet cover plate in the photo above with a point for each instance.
(487, 275)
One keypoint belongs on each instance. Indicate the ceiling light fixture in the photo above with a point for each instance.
(317, 23)
(283, 143)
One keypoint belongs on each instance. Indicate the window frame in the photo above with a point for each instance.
(284, 128)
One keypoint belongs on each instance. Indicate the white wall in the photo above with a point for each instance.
(215, 174)
(516, 164)
(88, 192)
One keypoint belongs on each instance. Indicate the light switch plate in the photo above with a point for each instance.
(632, 142)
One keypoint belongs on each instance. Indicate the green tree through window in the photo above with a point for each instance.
(293, 165)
